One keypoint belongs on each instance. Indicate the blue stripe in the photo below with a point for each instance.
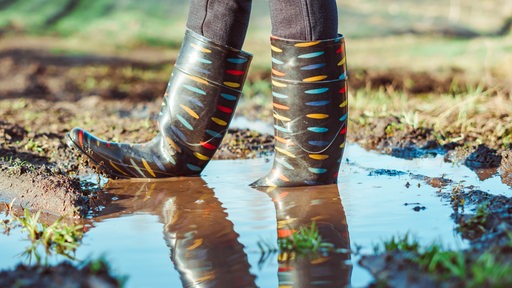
(179, 133)
(201, 70)
(194, 167)
(195, 102)
(318, 143)
(237, 60)
(344, 117)
(214, 134)
(279, 95)
(313, 66)
(343, 76)
(318, 103)
(274, 60)
(194, 89)
(282, 129)
(184, 122)
(316, 91)
(311, 55)
(228, 97)
(318, 129)
(317, 170)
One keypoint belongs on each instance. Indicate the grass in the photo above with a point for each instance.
(306, 241)
(57, 238)
(468, 269)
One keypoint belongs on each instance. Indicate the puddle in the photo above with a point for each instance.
(184, 231)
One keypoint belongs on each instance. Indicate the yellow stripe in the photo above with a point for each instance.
(318, 156)
(344, 104)
(285, 152)
(315, 78)
(196, 244)
(342, 61)
(232, 84)
(307, 44)
(219, 121)
(278, 84)
(275, 49)
(270, 183)
(117, 168)
(201, 156)
(146, 165)
(342, 145)
(317, 116)
(197, 79)
(202, 49)
(189, 111)
(282, 118)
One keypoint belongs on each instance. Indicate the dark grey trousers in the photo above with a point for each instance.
(226, 21)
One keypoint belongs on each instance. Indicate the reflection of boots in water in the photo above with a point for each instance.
(201, 97)
(309, 90)
(204, 247)
(300, 207)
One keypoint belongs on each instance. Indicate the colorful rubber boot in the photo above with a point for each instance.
(198, 106)
(309, 91)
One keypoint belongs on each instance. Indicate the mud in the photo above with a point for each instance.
(62, 275)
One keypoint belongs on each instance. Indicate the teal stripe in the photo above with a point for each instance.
(282, 129)
(194, 89)
(237, 60)
(311, 55)
(184, 122)
(343, 76)
(194, 167)
(317, 170)
(284, 163)
(205, 61)
(318, 143)
(274, 60)
(318, 129)
(344, 117)
(228, 97)
(279, 95)
(214, 134)
(317, 91)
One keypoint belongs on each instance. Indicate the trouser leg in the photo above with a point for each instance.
(224, 22)
(306, 20)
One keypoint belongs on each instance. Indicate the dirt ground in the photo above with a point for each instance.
(43, 95)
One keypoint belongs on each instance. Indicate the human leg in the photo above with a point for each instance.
(198, 105)
(309, 92)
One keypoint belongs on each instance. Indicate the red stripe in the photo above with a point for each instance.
(339, 50)
(81, 138)
(343, 90)
(224, 109)
(235, 72)
(207, 145)
(343, 131)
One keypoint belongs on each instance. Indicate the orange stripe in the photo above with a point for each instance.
(283, 140)
(278, 73)
(318, 156)
(280, 106)
(202, 49)
(197, 79)
(283, 178)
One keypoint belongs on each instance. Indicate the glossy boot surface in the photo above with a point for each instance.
(309, 92)
(197, 108)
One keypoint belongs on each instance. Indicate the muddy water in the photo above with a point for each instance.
(183, 231)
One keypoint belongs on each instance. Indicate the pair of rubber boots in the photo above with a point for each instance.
(309, 92)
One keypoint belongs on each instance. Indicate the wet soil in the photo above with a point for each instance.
(43, 95)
